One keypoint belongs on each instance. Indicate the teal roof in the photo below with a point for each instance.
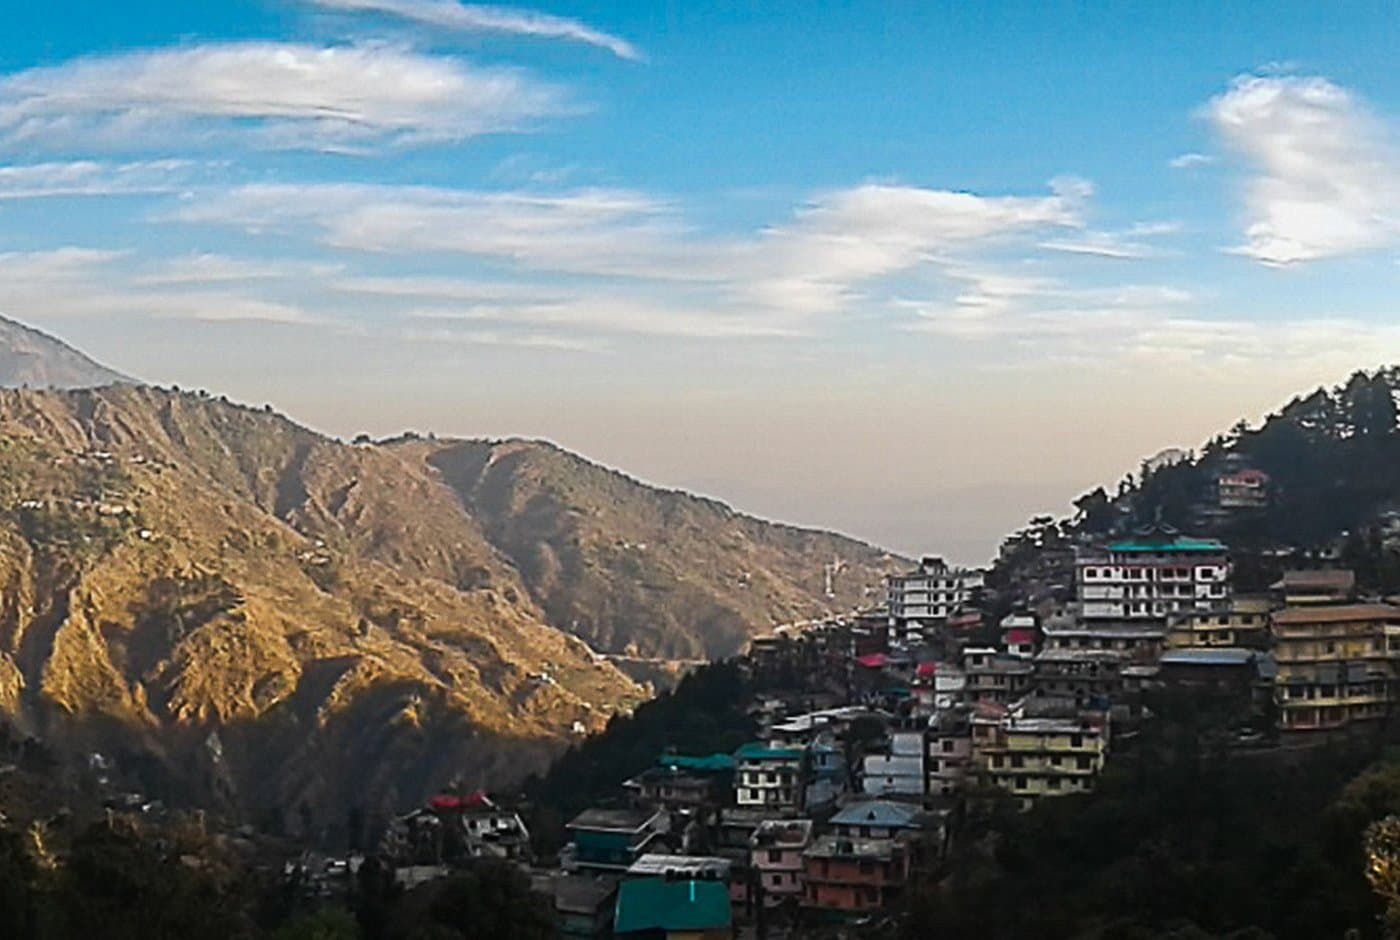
(1178, 544)
(662, 904)
(711, 763)
(759, 751)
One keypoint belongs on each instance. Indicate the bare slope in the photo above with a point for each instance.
(262, 614)
(633, 568)
(35, 359)
(250, 613)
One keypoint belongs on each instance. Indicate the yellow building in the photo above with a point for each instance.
(1031, 758)
(1337, 666)
(1245, 624)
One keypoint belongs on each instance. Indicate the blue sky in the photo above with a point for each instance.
(910, 270)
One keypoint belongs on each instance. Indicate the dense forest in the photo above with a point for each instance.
(705, 714)
(1333, 458)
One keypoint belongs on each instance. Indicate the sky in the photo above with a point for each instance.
(912, 271)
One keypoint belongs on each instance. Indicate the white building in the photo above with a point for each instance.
(1142, 581)
(928, 595)
(901, 771)
(769, 778)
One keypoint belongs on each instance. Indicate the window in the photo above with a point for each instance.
(1020, 783)
(1085, 762)
(1076, 740)
(775, 856)
(1053, 783)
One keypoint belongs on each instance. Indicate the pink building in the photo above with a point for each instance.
(776, 858)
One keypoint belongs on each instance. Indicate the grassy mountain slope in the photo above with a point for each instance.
(265, 614)
(632, 568)
(242, 609)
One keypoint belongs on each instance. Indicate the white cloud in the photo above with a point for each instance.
(816, 263)
(1187, 161)
(82, 282)
(477, 18)
(206, 268)
(92, 178)
(584, 231)
(1327, 181)
(279, 95)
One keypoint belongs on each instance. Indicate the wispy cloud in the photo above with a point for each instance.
(817, 262)
(278, 95)
(77, 282)
(1187, 161)
(93, 178)
(1327, 178)
(481, 18)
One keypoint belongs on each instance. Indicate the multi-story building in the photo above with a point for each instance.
(610, 840)
(854, 875)
(1315, 586)
(1020, 635)
(901, 771)
(926, 596)
(991, 676)
(949, 753)
(1087, 677)
(1245, 624)
(1338, 666)
(776, 859)
(1032, 758)
(1141, 581)
(1243, 489)
(770, 777)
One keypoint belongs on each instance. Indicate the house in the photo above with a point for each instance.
(1141, 581)
(769, 777)
(993, 677)
(949, 753)
(1224, 668)
(901, 771)
(853, 875)
(776, 858)
(1020, 635)
(583, 905)
(1243, 489)
(1244, 624)
(1315, 586)
(491, 831)
(1088, 677)
(672, 909)
(690, 867)
(878, 819)
(1337, 667)
(611, 840)
(680, 782)
(1033, 758)
(926, 596)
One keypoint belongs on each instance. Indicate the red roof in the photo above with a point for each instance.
(925, 670)
(1020, 635)
(451, 803)
(874, 661)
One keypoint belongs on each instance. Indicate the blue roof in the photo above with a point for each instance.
(1203, 656)
(671, 905)
(711, 763)
(759, 751)
(1177, 543)
(878, 813)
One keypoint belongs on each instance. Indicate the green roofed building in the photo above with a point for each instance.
(1129, 590)
(680, 909)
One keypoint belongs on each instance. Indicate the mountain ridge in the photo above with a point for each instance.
(252, 614)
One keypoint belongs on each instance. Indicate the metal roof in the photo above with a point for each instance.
(648, 904)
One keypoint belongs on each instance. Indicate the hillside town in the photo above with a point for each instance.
(881, 729)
